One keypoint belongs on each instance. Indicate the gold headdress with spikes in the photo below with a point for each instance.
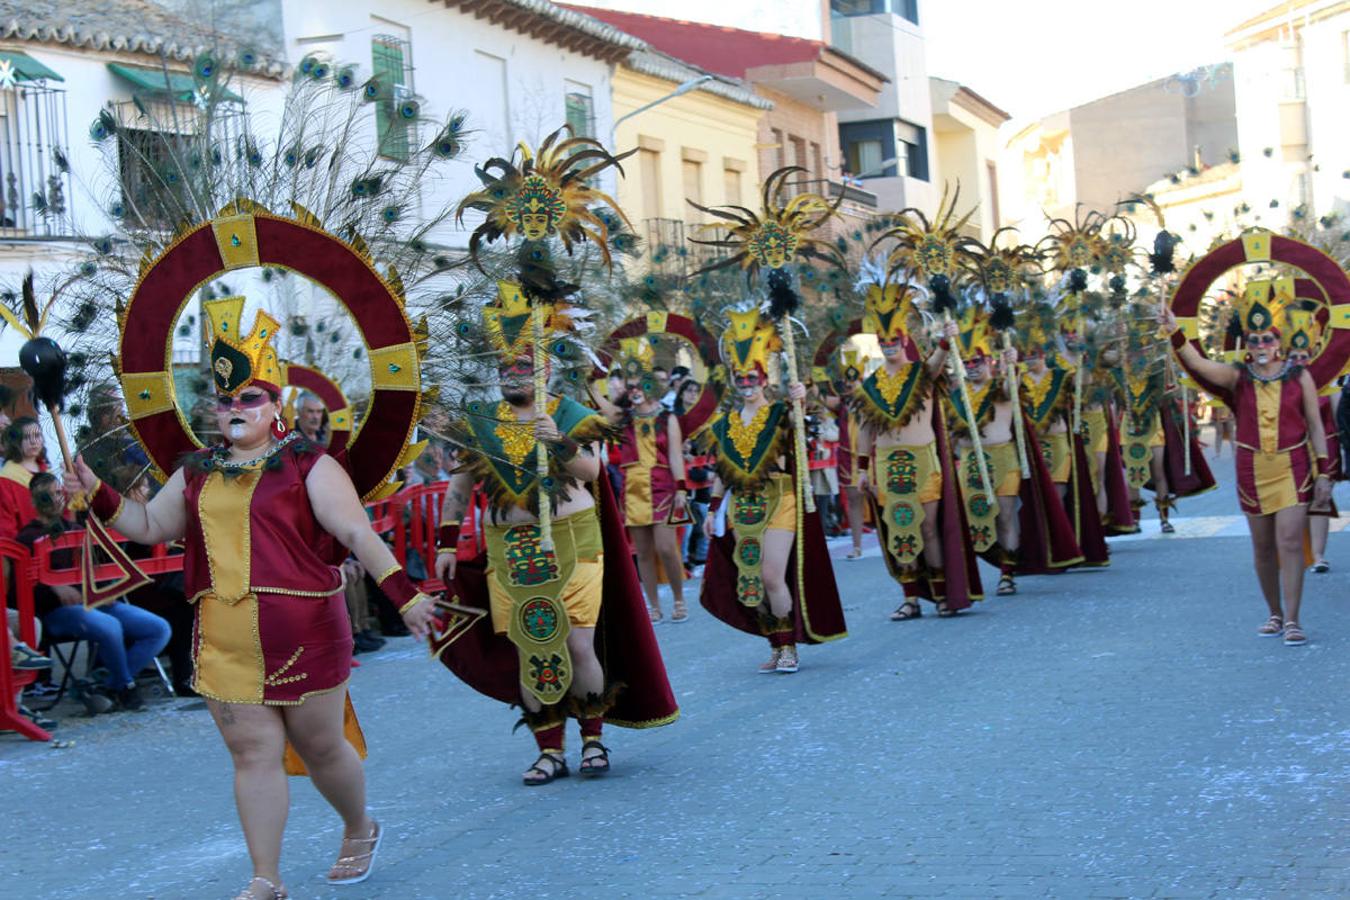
(850, 364)
(508, 322)
(239, 360)
(927, 249)
(887, 310)
(1263, 304)
(636, 357)
(1302, 332)
(749, 341)
(778, 233)
(546, 191)
(975, 334)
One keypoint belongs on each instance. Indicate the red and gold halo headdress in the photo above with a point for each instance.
(545, 192)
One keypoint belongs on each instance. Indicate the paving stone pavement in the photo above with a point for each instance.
(1117, 733)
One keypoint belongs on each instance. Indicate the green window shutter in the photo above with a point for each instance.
(579, 114)
(387, 68)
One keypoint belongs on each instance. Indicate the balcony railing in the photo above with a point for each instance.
(673, 253)
(35, 194)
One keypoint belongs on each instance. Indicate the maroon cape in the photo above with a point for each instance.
(1119, 510)
(1046, 542)
(819, 615)
(1082, 506)
(624, 639)
(963, 579)
(1201, 478)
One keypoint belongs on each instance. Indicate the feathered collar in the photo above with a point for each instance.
(984, 399)
(217, 459)
(747, 452)
(1042, 399)
(887, 402)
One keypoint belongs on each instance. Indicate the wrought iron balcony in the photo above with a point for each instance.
(35, 192)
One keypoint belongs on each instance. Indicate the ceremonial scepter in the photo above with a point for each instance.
(943, 300)
(540, 450)
(1001, 320)
(783, 301)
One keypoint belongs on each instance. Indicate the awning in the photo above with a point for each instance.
(158, 82)
(22, 67)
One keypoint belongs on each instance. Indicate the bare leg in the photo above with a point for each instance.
(1318, 528)
(1009, 530)
(932, 541)
(1289, 526)
(255, 735)
(855, 516)
(668, 549)
(1102, 507)
(645, 548)
(315, 729)
(587, 675)
(1266, 561)
(777, 549)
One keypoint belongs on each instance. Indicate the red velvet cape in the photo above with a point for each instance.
(1082, 506)
(1046, 542)
(1201, 478)
(1119, 510)
(624, 639)
(822, 604)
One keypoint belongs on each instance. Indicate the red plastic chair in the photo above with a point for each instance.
(11, 681)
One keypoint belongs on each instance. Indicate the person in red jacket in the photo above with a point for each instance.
(25, 456)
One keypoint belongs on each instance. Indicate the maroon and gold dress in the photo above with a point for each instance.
(271, 624)
(648, 484)
(1274, 463)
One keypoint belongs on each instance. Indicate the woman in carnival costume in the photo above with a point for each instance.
(771, 575)
(550, 614)
(256, 513)
(1283, 466)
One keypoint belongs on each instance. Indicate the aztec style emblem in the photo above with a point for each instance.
(749, 590)
(902, 472)
(529, 564)
(751, 509)
(539, 619)
(550, 675)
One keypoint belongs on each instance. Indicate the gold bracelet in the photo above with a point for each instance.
(417, 598)
(387, 572)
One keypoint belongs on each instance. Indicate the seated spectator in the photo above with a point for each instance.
(25, 456)
(127, 637)
(364, 639)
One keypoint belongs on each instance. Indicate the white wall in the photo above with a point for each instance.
(1325, 65)
(798, 18)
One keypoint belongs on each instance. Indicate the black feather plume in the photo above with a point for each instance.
(1001, 316)
(45, 363)
(783, 297)
(1077, 281)
(1164, 248)
(940, 290)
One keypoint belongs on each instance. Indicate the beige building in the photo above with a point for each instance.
(965, 127)
(1291, 63)
(701, 145)
(1099, 153)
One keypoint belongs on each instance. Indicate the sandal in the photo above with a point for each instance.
(1293, 634)
(854, 554)
(680, 613)
(945, 613)
(1321, 567)
(655, 613)
(1166, 527)
(1273, 628)
(558, 769)
(1006, 586)
(357, 866)
(771, 666)
(787, 661)
(906, 611)
(596, 764)
(277, 893)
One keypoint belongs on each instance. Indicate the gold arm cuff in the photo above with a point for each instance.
(417, 598)
(396, 567)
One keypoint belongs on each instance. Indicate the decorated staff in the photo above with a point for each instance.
(937, 254)
(551, 614)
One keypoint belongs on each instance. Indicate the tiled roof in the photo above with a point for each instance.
(725, 51)
(132, 26)
(659, 65)
(613, 44)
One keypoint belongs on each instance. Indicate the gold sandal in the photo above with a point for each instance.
(278, 893)
(359, 865)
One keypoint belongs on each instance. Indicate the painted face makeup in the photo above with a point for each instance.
(748, 385)
(892, 349)
(246, 400)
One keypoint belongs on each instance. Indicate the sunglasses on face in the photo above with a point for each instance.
(246, 400)
(1258, 340)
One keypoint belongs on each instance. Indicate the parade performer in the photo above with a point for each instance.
(1282, 463)
(655, 493)
(273, 645)
(550, 614)
(905, 467)
(1303, 337)
(772, 576)
(847, 452)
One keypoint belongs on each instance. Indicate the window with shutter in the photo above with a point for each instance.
(391, 70)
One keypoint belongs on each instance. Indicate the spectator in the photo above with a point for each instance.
(311, 419)
(25, 457)
(822, 431)
(63, 614)
(678, 376)
(364, 639)
(429, 467)
(23, 658)
(700, 484)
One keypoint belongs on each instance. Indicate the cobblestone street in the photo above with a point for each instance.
(1118, 733)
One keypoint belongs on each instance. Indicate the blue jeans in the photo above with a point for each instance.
(695, 541)
(127, 637)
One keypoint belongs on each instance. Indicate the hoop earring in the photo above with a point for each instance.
(1247, 357)
(279, 428)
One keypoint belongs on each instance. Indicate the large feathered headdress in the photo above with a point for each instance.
(935, 253)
